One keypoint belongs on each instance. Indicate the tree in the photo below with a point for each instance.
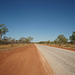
(47, 42)
(41, 42)
(25, 40)
(61, 39)
(13, 41)
(3, 30)
(6, 40)
(28, 39)
(22, 40)
(72, 38)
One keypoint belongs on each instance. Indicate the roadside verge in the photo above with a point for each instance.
(45, 63)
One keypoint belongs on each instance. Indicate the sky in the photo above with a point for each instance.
(41, 19)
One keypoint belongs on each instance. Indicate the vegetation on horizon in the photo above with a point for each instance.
(8, 40)
(61, 39)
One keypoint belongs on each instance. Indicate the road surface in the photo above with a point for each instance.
(61, 61)
(22, 61)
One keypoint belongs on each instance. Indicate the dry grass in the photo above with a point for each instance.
(10, 46)
(66, 46)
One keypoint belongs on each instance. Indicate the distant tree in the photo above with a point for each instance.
(52, 42)
(9, 38)
(3, 30)
(5, 40)
(72, 38)
(28, 39)
(41, 42)
(25, 40)
(61, 39)
(22, 40)
(55, 41)
(48, 42)
(13, 41)
(17, 41)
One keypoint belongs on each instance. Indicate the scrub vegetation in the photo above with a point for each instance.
(62, 42)
(9, 42)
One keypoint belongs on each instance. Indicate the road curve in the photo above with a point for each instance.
(61, 61)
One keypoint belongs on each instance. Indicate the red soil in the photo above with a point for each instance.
(22, 61)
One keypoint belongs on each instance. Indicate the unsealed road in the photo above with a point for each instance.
(61, 61)
(22, 61)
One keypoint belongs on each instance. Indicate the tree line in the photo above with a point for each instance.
(9, 40)
(61, 39)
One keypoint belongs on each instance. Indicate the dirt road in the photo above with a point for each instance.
(62, 61)
(22, 61)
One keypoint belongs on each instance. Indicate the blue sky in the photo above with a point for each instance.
(42, 19)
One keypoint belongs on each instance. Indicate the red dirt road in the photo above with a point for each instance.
(22, 61)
